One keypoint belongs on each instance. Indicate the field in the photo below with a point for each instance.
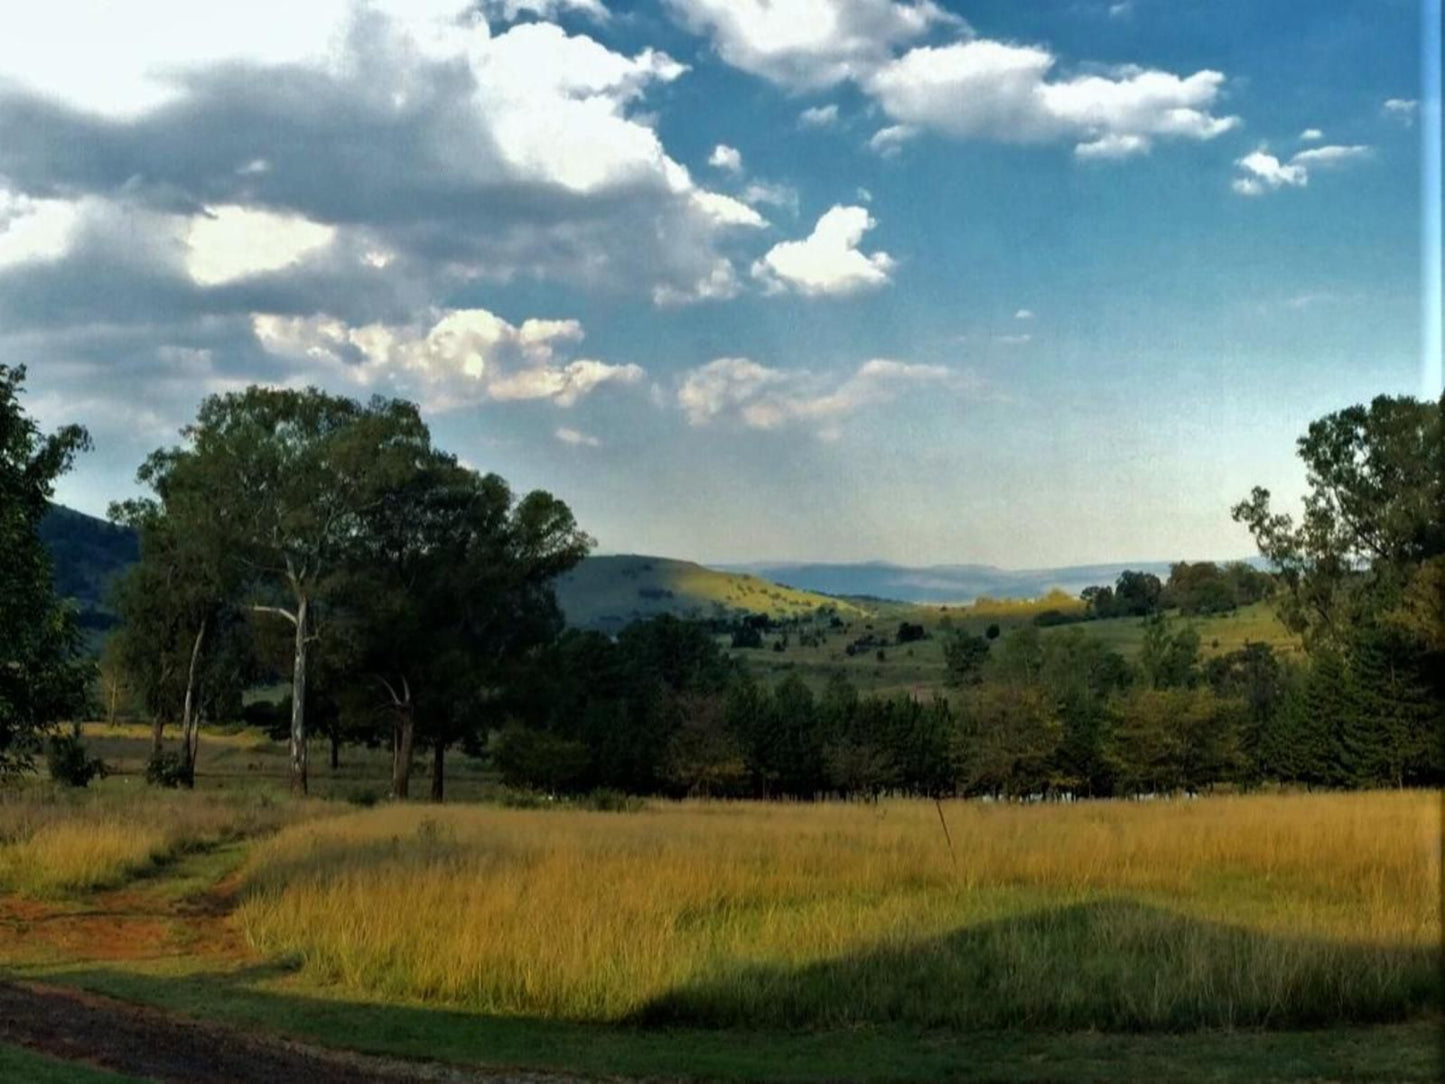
(1279, 936)
(918, 667)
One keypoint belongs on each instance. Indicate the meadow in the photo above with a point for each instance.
(1269, 911)
(918, 668)
(1250, 936)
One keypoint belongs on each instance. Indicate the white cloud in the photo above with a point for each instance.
(726, 158)
(1402, 109)
(1332, 155)
(1312, 135)
(760, 397)
(577, 438)
(1122, 9)
(888, 142)
(1264, 173)
(1024, 314)
(35, 229)
(461, 357)
(231, 242)
(819, 116)
(828, 261)
(809, 44)
(511, 10)
(775, 195)
(1013, 340)
(410, 127)
(995, 90)
(1112, 145)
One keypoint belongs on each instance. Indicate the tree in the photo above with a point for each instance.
(42, 677)
(964, 655)
(1169, 655)
(1136, 594)
(283, 480)
(180, 626)
(1372, 516)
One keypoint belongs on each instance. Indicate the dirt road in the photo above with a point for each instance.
(156, 1045)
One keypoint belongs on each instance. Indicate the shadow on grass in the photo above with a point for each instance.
(1111, 965)
(860, 1019)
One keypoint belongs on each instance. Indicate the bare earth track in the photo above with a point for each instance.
(149, 1043)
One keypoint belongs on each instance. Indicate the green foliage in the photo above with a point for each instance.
(168, 769)
(42, 676)
(70, 763)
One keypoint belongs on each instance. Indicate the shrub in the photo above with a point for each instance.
(65, 756)
(167, 770)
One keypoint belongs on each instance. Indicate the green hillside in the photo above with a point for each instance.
(609, 592)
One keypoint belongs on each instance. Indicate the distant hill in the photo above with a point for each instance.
(609, 592)
(87, 555)
(602, 593)
(942, 583)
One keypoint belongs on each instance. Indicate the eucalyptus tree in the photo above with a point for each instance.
(450, 583)
(277, 485)
(42, 677)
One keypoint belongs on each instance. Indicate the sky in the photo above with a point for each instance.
(740, 280)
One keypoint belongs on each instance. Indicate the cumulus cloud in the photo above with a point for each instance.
(1403, 110)
(809, 44)
(994, 90)
(726, 158)
(828, 261)
(1024, 314)
(1262, 172)
(1312, 135)
(461, 357)
(968, 88)
(819, 116)
(512, 10)
(446, 148)
(759, 397)
(888, 142)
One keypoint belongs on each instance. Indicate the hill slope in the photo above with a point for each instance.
(603, 592)
(608, 592)
(944, 583)
(87, 555)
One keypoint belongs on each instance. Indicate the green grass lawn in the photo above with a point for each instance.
(269, 999)
(20, 1065)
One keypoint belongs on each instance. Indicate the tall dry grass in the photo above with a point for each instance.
(1270, 909)
(54, 841)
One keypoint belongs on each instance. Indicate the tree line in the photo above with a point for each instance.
(406, 599)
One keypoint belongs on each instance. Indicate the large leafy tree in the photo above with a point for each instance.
(445, 588)
(282, 482)
(1363, 570)
(42, 677)
(1373, 516)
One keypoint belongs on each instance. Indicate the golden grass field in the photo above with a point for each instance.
(68, 843)
(1274, 910)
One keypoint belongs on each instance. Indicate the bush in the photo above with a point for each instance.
(606, 800)
(365, 797)
(167, 770)
(65, 756)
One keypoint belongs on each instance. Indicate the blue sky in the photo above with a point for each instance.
(1025, 284)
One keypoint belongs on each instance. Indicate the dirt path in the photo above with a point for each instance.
(157, 1045)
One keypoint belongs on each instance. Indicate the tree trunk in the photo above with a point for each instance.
(403, 741)
(298, 702)
(188, 711)
(156, 728)
(438, 771)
